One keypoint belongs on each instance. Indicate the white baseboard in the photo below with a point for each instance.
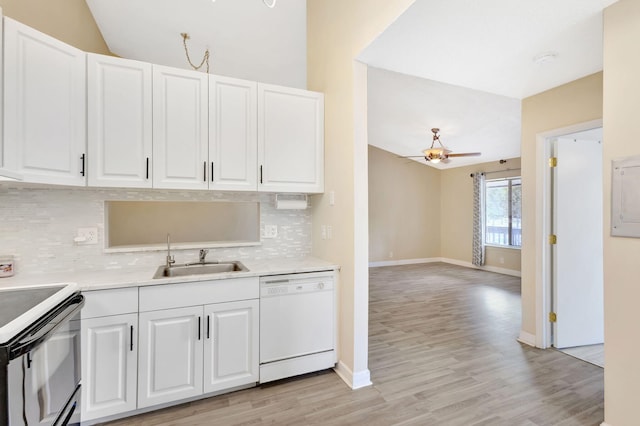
(605, 424)
(495, 269)
(403, 262)
(527, 338)
(353, 380)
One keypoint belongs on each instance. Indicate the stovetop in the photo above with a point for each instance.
(20, 307)
(14, 303)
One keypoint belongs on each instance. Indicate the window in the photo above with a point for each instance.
(503, 219)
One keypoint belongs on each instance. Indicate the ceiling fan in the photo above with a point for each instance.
(435, 154)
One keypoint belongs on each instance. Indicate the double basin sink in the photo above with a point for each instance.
(201, 268)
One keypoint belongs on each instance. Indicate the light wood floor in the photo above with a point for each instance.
(443, 351)
(591, 353)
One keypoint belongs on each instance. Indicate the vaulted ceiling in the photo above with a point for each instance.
(460, 65)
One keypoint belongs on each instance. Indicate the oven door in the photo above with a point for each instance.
(44, 383)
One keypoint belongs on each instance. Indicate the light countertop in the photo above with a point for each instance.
(143, 276)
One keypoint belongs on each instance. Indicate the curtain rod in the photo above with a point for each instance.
(497, 171)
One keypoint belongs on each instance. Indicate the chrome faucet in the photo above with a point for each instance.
(203, 254)
(170, 259)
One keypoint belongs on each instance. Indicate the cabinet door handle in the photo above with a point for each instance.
(199, 328)
(131, 339)
(205, 171)
(260, 173)
(147, 168)
(212, 171)
(208, 327)
(82, 157)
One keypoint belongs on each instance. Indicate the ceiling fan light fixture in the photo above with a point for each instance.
(434, 155)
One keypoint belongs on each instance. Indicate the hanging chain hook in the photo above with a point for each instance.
(205, 59)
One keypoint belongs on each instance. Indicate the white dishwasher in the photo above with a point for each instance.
(297, 324)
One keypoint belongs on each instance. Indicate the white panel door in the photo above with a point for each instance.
(290, 139)
(180, 128)
(231, 345)
(170, 355)
(578, 264)
(44, 107)
(109, 365)
(233, 141)
(119, 122)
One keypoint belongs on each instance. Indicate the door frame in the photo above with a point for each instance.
(543, 269)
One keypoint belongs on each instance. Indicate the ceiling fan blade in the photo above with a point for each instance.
(411, 156)
(465, 154)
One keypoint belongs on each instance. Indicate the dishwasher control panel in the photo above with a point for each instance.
(292, 287)
(292, 284)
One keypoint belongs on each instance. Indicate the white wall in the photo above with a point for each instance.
(621, 255)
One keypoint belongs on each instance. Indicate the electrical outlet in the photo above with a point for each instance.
(270, 231)
(329, 232)
(87, 236)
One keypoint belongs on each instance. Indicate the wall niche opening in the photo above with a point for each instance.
(145, 224)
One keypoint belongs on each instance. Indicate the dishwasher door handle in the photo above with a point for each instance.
(275, 282)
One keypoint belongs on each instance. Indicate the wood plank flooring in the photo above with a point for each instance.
(591, 353)
(443, 351)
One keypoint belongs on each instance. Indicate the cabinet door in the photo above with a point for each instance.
(180, 129)
(231, 345)
(44, 107)
(170, 355)
(290, 139)
(109, 365)
(119, 122)
(233, 142)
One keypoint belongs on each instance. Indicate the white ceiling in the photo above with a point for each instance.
(402, 109)
(246, 39)
(462, 48)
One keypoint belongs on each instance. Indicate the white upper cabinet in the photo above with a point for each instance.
(180, 129)
(290, 139)
(232, 134)
(119, 122)
(44, 107)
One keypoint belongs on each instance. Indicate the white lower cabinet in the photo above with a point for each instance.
(160, 344)
(231, 354)
(170, 355)
(197, 338)
(110, 349)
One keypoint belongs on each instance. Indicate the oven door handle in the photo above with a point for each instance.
(47, 326)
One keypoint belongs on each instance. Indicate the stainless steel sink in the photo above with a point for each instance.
(188, 269)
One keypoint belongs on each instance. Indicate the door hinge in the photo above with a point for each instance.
(553, 317)
(553, 162)
(553, 239)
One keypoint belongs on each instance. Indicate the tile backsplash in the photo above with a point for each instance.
(38, 225)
